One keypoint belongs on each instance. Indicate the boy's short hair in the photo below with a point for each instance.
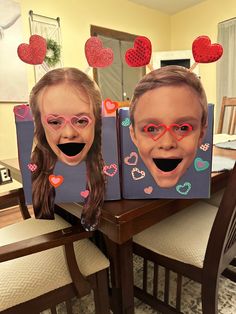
(172, 75)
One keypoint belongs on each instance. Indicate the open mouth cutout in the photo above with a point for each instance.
(166, 165)
(71, 149)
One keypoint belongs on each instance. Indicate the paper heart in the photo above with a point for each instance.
(148, 190)
(110, 170)
(32, 167)
(205, 52)
(56, 180)
(84, 193)
(140, 55)
(126, 122)
(110, 105)
(96, 55)
(21, 111)
(35, 52)
(184, 188)
(200, 164)
(137, 174)
(132, 159)
(205, 147)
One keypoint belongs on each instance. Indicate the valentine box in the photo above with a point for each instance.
(69, 181)
(138, 183)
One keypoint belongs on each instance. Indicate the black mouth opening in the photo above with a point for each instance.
(166, 165)
(71, 149)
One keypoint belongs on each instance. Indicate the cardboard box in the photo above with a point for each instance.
(138, 183)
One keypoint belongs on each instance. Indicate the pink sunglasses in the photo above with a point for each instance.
(58, 122)
(179, 131)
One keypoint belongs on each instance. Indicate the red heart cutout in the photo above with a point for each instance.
(96, 55)
(21, 111)
(110, 105)
(35, 52)
(84, 193)
(205, 52)
(140, 55)
(56, 180)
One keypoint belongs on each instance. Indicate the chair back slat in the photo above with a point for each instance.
(228, 104)
(222, 236)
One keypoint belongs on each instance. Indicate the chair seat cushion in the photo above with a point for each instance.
(182, 236)
(25, 278)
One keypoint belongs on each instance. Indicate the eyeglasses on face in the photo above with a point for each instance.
(58, 122)
(179, 131)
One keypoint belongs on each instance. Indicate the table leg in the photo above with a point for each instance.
(23, 208)
(121, 266)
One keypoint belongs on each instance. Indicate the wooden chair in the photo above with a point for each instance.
(46, 262)
(198, 242)
(228, 103)
(12, 194)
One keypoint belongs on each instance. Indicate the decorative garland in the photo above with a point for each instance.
(54, 49)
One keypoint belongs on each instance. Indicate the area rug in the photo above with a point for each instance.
(191, 300)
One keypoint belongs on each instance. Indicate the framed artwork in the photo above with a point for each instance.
(49, 28)
(13, 73)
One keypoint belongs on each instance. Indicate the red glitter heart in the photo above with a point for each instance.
(96, 55)
(205, 52)
(140, 55)
(35, 52)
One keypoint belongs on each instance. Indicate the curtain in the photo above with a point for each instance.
(117, 81)
(226, 66)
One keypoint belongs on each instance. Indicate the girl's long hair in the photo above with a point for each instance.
(43, 194)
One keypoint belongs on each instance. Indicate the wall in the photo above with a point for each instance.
(76, 17)
(200, 20)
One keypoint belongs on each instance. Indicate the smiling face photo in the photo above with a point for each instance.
(167, 130)
(68, 121)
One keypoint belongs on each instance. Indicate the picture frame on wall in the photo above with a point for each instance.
(13, 78)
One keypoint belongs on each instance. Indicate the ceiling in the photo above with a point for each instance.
(168, 6)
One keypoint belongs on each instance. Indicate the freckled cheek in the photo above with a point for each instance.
(52, 138)
(88, 135)
(145, 147)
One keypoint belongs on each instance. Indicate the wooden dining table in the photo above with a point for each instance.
(122, 219)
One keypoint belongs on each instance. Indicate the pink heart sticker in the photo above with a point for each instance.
(56, 180)
(110, 170)
(110, 106)
(96, 55)
(21, 111)
(35, 52)
(148, 190)
(137, 174)
(32, 167)
(205, 147)
(84, 193)
(132, 159)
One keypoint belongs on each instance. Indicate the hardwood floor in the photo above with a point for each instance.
(12, 215)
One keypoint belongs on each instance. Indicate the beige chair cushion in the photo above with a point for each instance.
(30, 276)
(182, 236)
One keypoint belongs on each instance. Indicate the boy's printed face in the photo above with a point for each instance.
(167, 131)
(68, 121)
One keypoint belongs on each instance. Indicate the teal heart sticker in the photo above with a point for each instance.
(126, 122)
(184, 188)
(200, 164)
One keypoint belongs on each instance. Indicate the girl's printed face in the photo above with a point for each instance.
(68, 120)
(167, 132)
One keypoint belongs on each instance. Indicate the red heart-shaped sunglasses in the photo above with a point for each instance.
(179, 131)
